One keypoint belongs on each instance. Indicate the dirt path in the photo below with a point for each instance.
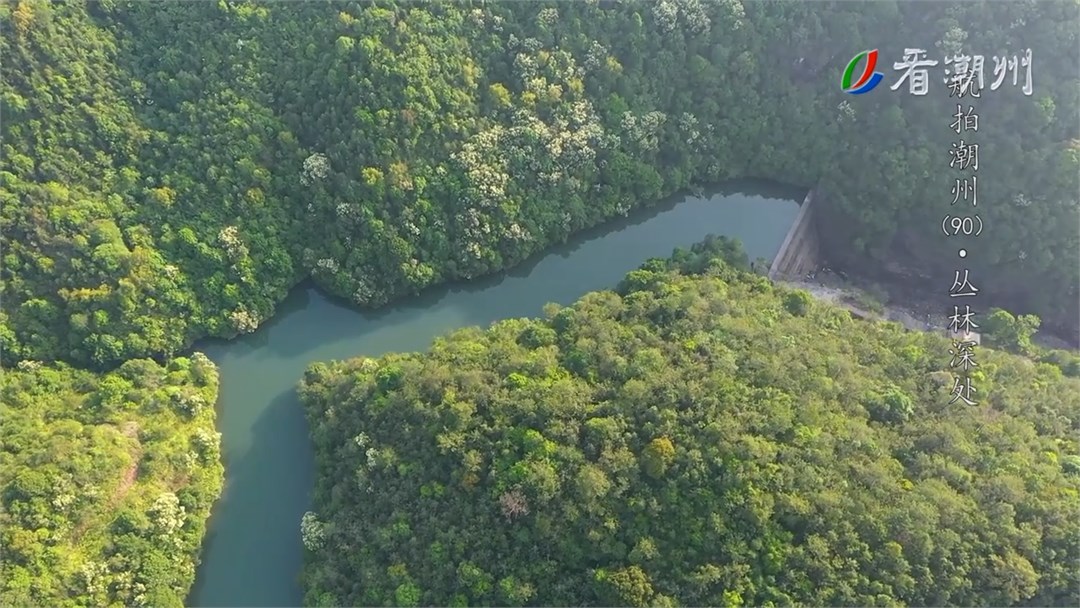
(131, 431)
(127, 480)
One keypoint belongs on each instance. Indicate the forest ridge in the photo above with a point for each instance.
(173, 169)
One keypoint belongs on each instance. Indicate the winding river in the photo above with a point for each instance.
(252, 553)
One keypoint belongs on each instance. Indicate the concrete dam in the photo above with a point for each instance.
(800, 251)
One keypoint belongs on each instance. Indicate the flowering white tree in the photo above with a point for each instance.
(316, 166)
(644, 130)
(312, 531)
(167, 514)
(552, 141)
(597, 56)
(668, 14)
(234, 245)
(548, 16)
(243, 320)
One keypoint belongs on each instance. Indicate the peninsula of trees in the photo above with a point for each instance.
(696, 437)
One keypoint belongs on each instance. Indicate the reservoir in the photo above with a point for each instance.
(252, 552)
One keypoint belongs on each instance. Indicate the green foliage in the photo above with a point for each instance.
(894, 406)
(625, 587)
(722, 453)
(174, 168)
(1009, 332)
(1067, 361)
(657, 456)
(798, 302)
(106, 482)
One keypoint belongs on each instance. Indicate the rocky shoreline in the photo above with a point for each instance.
(830, 287)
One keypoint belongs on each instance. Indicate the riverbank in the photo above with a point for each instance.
(875, 304)
(253, 551)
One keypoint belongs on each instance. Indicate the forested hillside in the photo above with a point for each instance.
(107, 482)
(697, 437)
(173, 168)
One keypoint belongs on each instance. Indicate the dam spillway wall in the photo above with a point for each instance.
(800, 251)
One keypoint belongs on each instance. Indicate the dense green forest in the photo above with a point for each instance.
(171, 169)
(108, 481)
(697, 437)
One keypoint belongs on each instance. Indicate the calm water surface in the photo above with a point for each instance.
(252, 553)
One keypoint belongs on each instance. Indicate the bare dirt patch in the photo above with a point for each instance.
(127, 480)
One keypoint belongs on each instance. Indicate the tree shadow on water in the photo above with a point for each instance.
(253, 554)
(341, 319)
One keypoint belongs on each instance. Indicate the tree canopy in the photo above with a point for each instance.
(691, 439)
(174, 168)
(108, 481)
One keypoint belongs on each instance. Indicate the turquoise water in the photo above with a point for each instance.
(252, 553)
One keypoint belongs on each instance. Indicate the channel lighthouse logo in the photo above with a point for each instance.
(869, 78)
